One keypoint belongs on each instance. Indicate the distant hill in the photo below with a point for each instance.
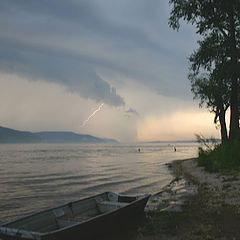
(8, 135)
(65, 137)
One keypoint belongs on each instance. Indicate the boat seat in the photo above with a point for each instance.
(74, 218)
(106, 206)
(117, 204)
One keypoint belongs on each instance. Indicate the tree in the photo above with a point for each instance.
(213, 87)
(212, 92)
(219, 21)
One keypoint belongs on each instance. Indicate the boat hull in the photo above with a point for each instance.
(100, 225)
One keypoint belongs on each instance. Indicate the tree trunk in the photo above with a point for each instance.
(234, 115)
(222, 120)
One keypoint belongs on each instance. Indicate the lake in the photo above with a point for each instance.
(37, 176)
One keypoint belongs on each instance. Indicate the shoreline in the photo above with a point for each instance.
(196, 205)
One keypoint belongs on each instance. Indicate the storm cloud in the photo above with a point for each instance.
(60, 60)
(132, 111)
(74, 42)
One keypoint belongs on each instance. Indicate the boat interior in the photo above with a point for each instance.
(71, 213)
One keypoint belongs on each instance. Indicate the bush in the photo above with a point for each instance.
(215, 157)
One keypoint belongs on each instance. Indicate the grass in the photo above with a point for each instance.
(219, 157)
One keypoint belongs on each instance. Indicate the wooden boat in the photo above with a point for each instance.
(83, 219)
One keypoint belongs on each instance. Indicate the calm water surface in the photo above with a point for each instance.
(36, 176)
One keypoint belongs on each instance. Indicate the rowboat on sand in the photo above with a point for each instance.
(83, 219)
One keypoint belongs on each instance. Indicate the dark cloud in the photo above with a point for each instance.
(131, 111)
(77, 76)
(67, 41)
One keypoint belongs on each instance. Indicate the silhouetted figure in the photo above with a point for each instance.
(139, 150)
(174, 149)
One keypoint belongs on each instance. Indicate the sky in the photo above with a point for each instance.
(109, 68)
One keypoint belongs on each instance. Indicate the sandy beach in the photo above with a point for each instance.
(195, 205)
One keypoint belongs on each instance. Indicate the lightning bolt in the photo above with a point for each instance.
(92, 115)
